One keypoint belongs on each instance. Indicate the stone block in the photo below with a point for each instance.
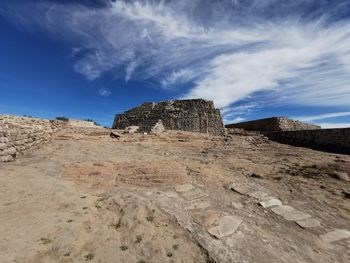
(309, 223)
(336, 235)
(270, 203)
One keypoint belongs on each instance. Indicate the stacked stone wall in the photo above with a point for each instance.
(274, 124)
(185, 115)
(19, 134)
(334, 140)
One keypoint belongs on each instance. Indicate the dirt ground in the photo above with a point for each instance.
(147, 198)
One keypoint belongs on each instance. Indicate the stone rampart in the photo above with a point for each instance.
(334, 140)
(274, 124)
(185, 115)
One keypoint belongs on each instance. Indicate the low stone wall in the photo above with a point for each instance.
(19, 134)
(274, 124)
(186, 115)
(82, 124)
(334, 140)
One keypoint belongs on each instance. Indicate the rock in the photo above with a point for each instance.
(236, 205)
(309, 223)
(194, 194)
(335, 235)
(183, 188)
(241, 189)
(208, 218)
(258, 176)
(258, 194)
(115, 135)
(295, 215)
(158, 128)
(270, 203)
(131, 129)
(198, 205)
(282, 210)
(342, 176)
(346, 193)
(214, 231)
(228, 225)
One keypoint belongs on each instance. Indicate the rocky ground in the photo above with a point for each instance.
(174, 197)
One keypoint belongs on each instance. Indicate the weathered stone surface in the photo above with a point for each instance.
(270, 203)
(207, 218)
(296, 215)
(309, 223)
(185, 115)
(282, 210)
(183, 188)
(198, 204)
(342, 176)
(194, 194)
(240, 188)
(336, 235)
(228, 225)
(214, 231)
(258, 194)
(236, 205)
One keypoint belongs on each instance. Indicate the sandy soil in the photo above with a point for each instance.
(93, 198)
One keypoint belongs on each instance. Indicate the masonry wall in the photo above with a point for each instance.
(274, 124)
(19, 134)
(334, 140)
(185, 115)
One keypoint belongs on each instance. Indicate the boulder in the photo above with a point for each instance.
(115, 135)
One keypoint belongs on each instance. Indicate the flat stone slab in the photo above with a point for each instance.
(198, 205)
(183, 188)
(335, 235)
(208, 218)
(270, 203)
(214, 231)
(241, 189)
(309, 223)
(228, 225)
(282, 210)
(236, 205)
(194, 194)
(296, 215)
(258, 194)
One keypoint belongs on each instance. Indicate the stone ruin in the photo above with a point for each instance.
(274, 124)
(284, 130)
(19, 135)
(196, 115)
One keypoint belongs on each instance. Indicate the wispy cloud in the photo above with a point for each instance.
(334, 125)
(294, 52)
(104, 92)
(323, 116)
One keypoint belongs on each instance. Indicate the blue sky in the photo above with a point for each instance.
(254, 58)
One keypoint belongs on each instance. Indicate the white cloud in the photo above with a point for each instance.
(176, 77)
(104, 92)
(334, 125)
(323, 116)
(230, 51)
